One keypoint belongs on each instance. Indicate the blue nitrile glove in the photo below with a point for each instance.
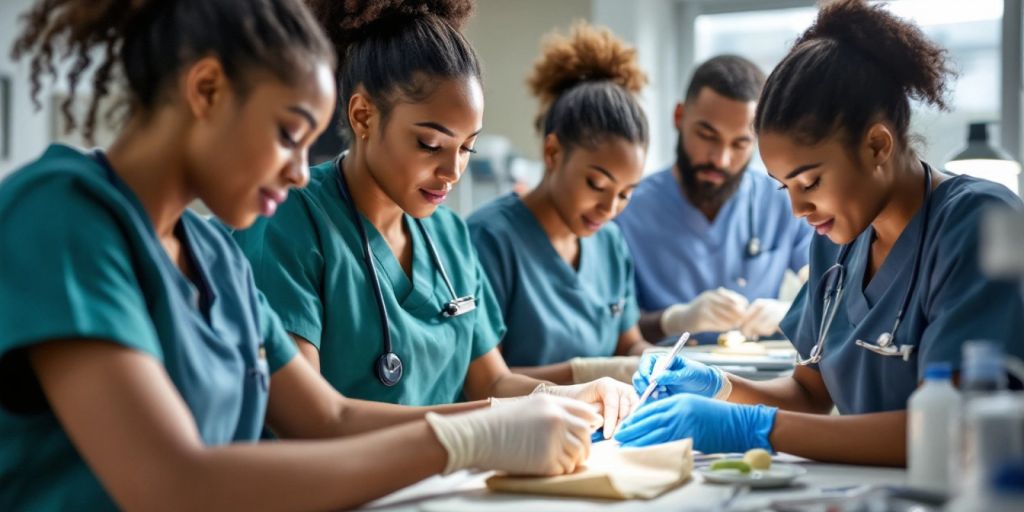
(714, 425)
(682, 376)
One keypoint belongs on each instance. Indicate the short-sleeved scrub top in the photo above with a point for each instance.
(679, 254)
(554, 312)
(308, 260)
(952, 301)
(79, 259)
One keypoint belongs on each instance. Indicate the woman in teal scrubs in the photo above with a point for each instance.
(138, 362)
(376, 281)
(896, 259)
(561, 272)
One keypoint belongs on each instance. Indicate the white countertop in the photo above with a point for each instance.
(465, 491)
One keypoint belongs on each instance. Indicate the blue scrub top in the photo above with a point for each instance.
(679, 254)
(79, 259)
(553, 312)
(308, 260)
(952, 302)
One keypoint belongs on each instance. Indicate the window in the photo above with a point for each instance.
(969, 30)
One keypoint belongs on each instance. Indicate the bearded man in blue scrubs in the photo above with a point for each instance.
(711, 238)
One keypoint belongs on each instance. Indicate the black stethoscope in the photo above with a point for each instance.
(835, 275)
(389, 365)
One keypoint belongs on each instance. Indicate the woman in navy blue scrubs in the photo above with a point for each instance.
(895, 282)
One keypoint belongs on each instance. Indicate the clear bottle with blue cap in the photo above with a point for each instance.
(932, 411)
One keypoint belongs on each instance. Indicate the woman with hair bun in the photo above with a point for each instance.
(377, 282)
(560, 270)
(895, 282)
(138, 361)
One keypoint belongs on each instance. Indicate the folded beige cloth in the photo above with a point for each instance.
(612, 472)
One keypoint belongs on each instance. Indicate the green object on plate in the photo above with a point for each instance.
(738, 465)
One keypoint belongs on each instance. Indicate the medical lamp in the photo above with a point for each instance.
(982, 159)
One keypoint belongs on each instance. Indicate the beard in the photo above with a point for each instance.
(703, 194)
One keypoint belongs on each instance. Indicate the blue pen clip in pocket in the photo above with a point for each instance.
(616, 308)
(261, 371)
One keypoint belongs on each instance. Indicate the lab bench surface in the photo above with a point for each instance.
(465, 491)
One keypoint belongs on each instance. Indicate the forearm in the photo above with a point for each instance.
(512, 384)
(872, 439)
(360, 416)
(310, 475)
(650, 325)
(786, 393)
(560, 373)
(636, 349)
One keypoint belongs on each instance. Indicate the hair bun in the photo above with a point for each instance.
(588, 54)
(899, 48)
(353, 19)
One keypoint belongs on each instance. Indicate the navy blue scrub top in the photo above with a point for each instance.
(953, 301)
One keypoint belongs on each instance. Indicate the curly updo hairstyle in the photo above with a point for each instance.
(856, 65)
(587, 84)
(397, 50)
(150, 42)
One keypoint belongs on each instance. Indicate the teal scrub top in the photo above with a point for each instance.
(308, 260)
(79, 259)
(953, 301)
(554, 312)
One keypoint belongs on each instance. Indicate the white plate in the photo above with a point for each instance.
(778, 475)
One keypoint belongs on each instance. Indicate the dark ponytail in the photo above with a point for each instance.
(856, 65)
(151, 42)
(396, 49)
(587, 85)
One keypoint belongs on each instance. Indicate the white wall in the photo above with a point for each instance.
(507, 36)
(652, 27)
(30, 128)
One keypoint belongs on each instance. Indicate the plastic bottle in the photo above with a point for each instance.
(982, 376)
(931, 411)
(983, 369)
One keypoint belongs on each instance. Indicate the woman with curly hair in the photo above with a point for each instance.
(560, 270)
(895, 281)
(138, 361)
(377, 282)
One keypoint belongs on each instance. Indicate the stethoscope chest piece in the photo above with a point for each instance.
(389, 369)
(754, 247)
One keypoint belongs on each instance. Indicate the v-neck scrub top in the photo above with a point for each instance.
(79, 259)
(308, 260)
(952, 302)
(554, 312)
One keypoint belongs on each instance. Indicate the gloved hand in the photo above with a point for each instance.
(615, 400)
(714, 425)
(620, 368)
(712, 311)
(682, 376)
(542, 435)
(762, 317)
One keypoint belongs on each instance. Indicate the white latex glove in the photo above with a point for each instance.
(715, 310)
(542, 435)
(620, 368)
(614, 400)
(762, 317)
